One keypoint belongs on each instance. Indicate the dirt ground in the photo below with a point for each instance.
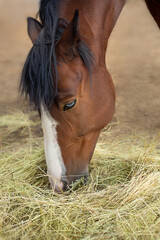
(133, 58)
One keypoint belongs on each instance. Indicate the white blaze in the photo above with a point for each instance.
(55, 164)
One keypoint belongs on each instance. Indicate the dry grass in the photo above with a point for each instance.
(120, 201)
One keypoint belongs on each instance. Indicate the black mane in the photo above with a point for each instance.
(40, 67)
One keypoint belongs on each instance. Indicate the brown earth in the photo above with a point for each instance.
(133, 59)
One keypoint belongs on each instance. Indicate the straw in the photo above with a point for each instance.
(121, 199)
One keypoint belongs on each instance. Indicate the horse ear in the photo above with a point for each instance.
(70, 38)
(34, 28)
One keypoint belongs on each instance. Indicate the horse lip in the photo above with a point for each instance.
(60, 187)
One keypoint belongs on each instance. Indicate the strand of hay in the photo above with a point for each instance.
(120, 201)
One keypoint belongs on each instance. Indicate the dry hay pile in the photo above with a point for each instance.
(120, 201)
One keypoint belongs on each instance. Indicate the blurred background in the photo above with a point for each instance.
(133, 58)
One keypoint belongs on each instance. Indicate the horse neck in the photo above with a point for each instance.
(97, 20)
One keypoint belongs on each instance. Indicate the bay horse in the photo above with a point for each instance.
(66, 78)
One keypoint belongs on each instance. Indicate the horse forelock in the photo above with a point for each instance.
(39, 78)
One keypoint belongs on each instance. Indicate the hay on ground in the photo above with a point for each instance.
(120, 201)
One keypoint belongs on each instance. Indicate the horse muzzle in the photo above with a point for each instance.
(60, 186)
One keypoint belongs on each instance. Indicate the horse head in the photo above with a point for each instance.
(74, 100)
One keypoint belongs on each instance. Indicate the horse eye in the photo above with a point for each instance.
(69, 105)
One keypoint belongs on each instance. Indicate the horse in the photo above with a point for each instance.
(66, 78)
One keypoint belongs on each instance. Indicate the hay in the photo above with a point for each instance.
(120, 201)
